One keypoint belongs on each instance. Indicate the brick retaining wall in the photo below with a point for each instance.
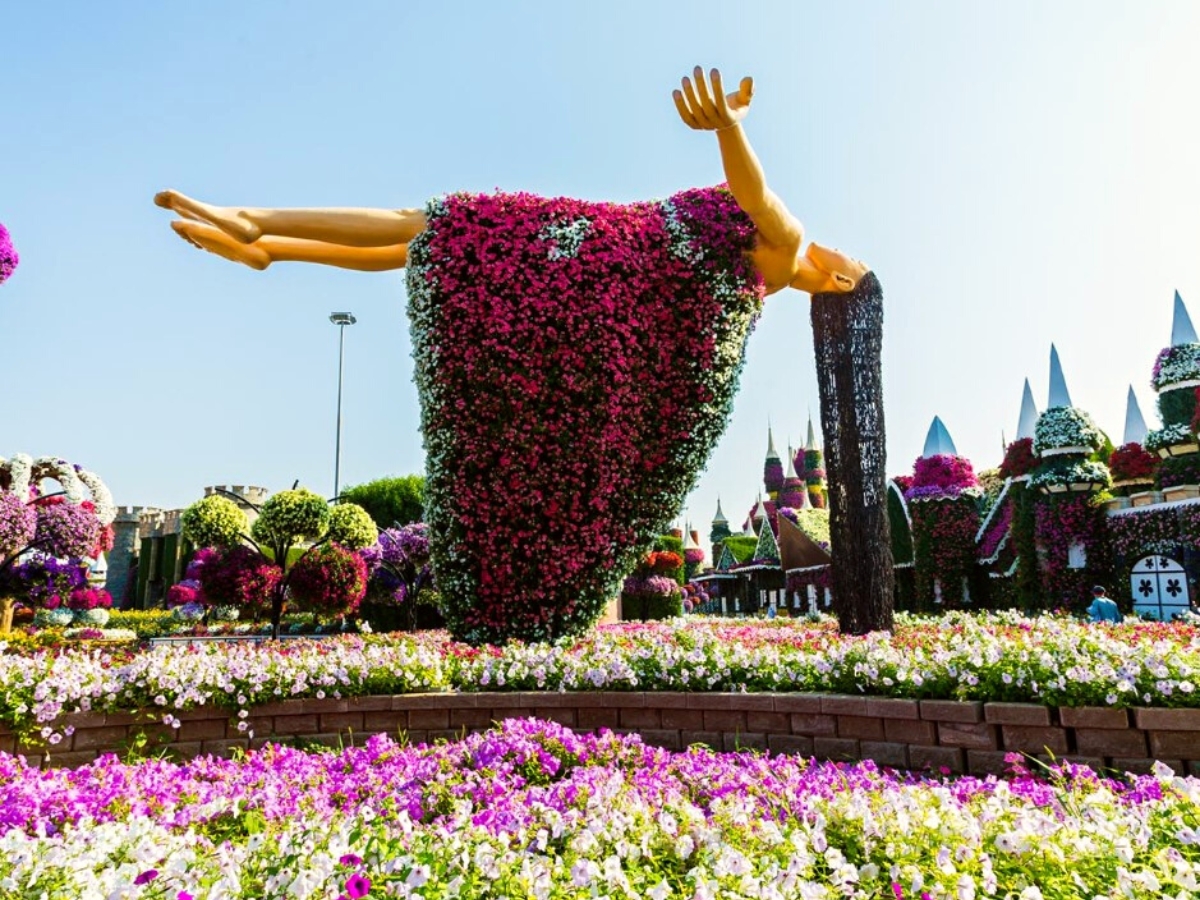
(915, 734)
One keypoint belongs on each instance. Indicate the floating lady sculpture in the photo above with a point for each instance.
(577, 362)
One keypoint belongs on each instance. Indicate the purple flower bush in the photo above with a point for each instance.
(8, 255)
(576, 364)
(18, 523)
(532, 803)
(65, 530)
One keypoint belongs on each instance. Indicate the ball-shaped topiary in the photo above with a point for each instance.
(215, 521)
(290, 517)
(329, 580)
(351, 526)
(66, 531)
(239, 576)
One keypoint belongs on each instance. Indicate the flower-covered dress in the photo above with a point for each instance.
(576, 364)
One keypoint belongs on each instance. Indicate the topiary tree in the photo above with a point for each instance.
(215, 521)
(351, 526)
(329, 581)
(390, 502)
(285, 521)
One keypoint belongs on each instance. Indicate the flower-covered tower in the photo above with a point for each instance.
(1069, 525)
(772, 469)
(794, 494)
(810, 465)
(720, 531)
(1176, 379)
(1134, 468)
(943, 504)
(1021, 501)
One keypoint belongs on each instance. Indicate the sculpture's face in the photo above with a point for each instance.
(825, 271)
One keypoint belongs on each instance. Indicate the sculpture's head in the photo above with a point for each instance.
(825, 271)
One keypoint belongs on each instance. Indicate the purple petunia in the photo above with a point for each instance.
(358, 886)
(146, 877)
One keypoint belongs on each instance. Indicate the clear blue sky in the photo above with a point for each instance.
(1016, 173)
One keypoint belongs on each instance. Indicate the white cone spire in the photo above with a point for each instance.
(1029, 414)
(1059, 395)
(938, 442)
(1135, 422)
(1182, 331)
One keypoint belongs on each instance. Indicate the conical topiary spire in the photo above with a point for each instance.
(1135, 422)
(1029, 414)
(771, 451)
(810, 442)
(1182, 331)
(938, 441)
(1059, 395)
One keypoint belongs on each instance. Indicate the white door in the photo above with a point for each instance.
(1159, 588)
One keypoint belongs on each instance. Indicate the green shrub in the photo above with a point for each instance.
(215, 521)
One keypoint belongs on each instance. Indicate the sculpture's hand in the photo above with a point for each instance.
(712, 110)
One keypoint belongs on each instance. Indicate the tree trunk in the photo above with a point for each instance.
(848, 338)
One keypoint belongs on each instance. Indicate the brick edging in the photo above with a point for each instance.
(959, 736)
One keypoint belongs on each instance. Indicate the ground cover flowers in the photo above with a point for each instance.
(994, 657)
(530, 809)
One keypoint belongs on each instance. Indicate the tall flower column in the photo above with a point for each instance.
(1176, 379)
(943, 502)
(1070, 527)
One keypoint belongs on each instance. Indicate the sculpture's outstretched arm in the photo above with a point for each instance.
(713, 110)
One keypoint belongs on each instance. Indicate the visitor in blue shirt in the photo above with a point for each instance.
(1103, 609)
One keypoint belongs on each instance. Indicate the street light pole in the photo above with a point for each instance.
(341, 320)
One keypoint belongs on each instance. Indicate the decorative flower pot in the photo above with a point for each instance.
(53, 618)
(92, 618)
(1117, 503)
(1178, 450)
(1181, 492)
(1146, 498)
(1054, 488)
(1082, 487)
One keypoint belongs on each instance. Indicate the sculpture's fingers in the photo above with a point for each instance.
(694, 104)
(719, 103)
(745, 91)
(684, 112)
(706, 102)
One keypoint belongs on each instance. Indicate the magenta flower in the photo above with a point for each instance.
(8, 255)
(349, 859)
(358, 886)
(146, 877)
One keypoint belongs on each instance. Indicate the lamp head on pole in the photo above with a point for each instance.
(342, 318)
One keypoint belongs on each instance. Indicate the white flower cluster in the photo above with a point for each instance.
(1177, 366)
(1170, 436)
(681, 239)
(1065, 427)
(566, 237)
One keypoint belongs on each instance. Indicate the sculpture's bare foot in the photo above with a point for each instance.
(231, 221)
(206, 237)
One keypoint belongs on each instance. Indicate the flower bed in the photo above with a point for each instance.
(998, 657)
(531, 809)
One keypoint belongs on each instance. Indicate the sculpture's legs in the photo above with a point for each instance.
(267, 250)
(350, 227)
(847, 337)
